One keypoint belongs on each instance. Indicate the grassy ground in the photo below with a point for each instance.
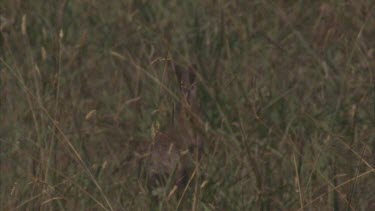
(286, 93)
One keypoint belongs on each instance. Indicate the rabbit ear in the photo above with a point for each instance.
(192, 72)
(178, 70)
(191, 76)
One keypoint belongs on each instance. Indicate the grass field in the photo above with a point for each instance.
(286, 90)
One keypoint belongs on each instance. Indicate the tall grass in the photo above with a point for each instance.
(286, 89)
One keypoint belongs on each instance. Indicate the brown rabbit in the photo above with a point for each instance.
(171, 154)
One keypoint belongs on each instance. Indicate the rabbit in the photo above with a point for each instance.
(171, 158)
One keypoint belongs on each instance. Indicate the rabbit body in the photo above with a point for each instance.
(170, 158)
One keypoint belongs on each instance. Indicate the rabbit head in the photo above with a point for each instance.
(186, 78)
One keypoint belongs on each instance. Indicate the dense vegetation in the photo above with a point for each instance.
(286, 90)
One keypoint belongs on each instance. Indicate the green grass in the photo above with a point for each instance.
(286, 89)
